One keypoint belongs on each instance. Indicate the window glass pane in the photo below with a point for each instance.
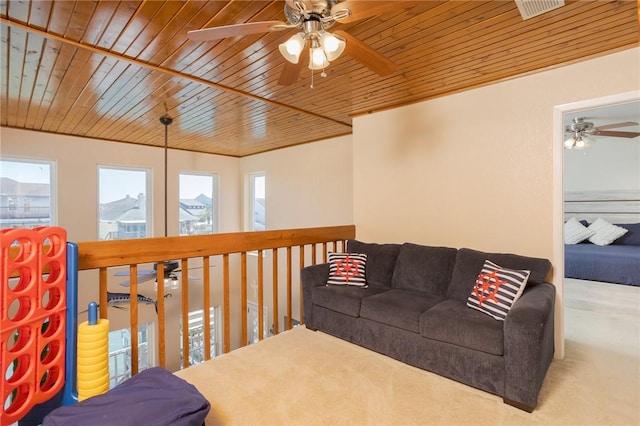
(25, 194)
(258, 222)
(198, 204)
(123, 204)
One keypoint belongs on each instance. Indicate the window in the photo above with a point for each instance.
(196, 334)
(123, 203)
(26, 193)
(120, 353)
(198, 204)
(257, 192)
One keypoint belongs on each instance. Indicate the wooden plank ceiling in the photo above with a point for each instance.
(110, 69)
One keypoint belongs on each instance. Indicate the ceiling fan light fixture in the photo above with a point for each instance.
(292, 48)
(332, 45)
(317, 58)
(569, 142)
(578, 141)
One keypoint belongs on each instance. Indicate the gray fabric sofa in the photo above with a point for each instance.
(414, 310)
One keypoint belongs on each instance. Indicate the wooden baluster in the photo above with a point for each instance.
(314, 249)
(185, 312)
(335, 246)
(161, 325)
(301, 266)
(206, 306)
(243, 296)
(260, 296)
(276, 323)
(133, 317)
(103, 277)
(289, 286)
(324, 252)
(227, 305)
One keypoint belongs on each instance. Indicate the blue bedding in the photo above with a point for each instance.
(613, 263)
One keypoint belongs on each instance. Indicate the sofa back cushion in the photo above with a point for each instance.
(424, 268)
(381, 260)
(469, 264)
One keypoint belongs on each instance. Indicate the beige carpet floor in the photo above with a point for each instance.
(309, 378)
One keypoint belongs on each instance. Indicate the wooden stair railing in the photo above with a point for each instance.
(101, 255)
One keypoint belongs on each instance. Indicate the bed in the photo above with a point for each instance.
(617, 262)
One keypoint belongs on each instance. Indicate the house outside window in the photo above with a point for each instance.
(257, 202)
(26, 193)
(123, 203)
(198, 208)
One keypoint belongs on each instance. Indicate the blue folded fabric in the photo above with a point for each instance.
(153, 397)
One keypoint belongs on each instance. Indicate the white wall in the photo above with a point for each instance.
(306, 185)
(608, 164)
(476, 169)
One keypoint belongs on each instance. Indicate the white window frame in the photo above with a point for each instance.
(148, 195)
(53, 184)
(214, 198)
(252, 197)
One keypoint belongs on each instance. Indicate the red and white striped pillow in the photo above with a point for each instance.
(347, 269)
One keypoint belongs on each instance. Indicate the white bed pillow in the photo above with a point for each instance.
(605, 232)
(575, 232)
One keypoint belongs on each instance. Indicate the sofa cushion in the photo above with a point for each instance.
(347, 269)
(381, 260)
(469, 263)
(453, 322)
(497, 289)
(424, 268)
(398, 308)
(343, 299)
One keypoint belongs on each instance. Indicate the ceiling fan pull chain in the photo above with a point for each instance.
(311, 80)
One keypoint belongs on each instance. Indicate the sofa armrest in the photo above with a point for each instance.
(311, 276)
(528, 345)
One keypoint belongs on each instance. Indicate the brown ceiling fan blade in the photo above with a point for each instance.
(361, 9)
(291, 72)
(366, 55)
(616, 125)
(616, 134)
(217, 33)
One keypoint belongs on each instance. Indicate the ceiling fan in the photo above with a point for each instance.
(144, 275)
(579, 131)
(312, 19)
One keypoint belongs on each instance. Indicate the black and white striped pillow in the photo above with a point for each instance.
(347, 269)
(497, 289)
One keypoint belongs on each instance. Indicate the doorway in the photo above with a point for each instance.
(562, 112)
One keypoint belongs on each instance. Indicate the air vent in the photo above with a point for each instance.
(530, 8)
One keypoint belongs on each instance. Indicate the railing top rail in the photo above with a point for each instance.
(98, 254)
